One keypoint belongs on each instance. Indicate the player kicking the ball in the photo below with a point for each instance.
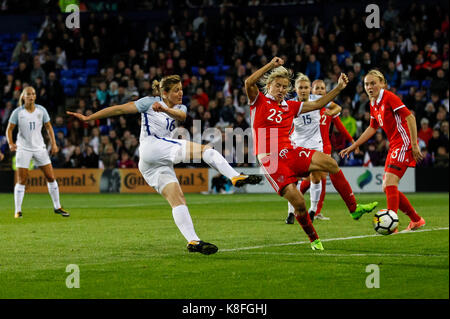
(311, 130)
(158, 152)
(390, 113)
(271, 120)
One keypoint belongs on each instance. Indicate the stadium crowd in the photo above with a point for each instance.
(213, 55)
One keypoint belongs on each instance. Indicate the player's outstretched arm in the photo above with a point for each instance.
(51, 134)
(411, 121)
(127, 108)
(365, 136)
(9, 137)
(324, 100)
(250, 83)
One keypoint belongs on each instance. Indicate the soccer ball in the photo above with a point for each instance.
(385, 222)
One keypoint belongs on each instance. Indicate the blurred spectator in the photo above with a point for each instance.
(348, 121)
(436, 141)
(23, 43)
(125, 161)
(425, 132)
(441, 158)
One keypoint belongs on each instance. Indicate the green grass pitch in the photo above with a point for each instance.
(127, 246)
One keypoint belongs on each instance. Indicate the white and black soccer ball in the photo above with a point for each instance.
(385, 221)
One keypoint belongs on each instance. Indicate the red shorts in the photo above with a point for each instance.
(327, 149)
(398, 160)
(283, 168)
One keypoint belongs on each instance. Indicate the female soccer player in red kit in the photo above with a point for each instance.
(271, 120)
(388, 112)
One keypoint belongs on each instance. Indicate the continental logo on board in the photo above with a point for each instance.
(191, 180)
(113, 181)
(83, 180)
(69, 181)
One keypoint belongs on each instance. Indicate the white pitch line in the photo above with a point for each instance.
(346, 255)
(330, 239)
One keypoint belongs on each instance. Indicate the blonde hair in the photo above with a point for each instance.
(20, 103)
(279, 72)
(377, 74)
(301, 77)
(165, 84)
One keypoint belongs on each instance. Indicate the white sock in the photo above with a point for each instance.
(315, 191)
(19, 192)
(53, 190)
(184, 222)
(218, 162)
(291, 208)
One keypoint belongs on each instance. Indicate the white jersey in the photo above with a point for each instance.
(157, 124)
(307, 127)
(29, 124)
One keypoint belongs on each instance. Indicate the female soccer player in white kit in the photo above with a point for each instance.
(29, 118)
(158, 152)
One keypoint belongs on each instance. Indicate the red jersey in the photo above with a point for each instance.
(325, 122)
(389, 113)
(272, 123)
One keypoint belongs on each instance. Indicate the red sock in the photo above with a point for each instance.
(392, 197)
(343, 187)
(322, 196)
(406, 207)
(304, 185)
(307, 226)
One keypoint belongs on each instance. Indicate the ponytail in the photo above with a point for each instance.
(21, 97)
(155, 87)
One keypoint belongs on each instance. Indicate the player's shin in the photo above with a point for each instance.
(406, 207)
(19, 193)
(304, 221)
(392, 197)
(53, 190)
(344, 189)
(184, 222)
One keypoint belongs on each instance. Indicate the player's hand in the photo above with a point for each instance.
(55, 149)
(1, 156)
(343, 81)
(346, 151)
(331, 112)
(276, 62)
(12, 147)
(158, 107)
(417, 154)
(79, 116)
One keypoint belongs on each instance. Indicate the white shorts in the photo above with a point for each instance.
(156, 159)
(312, 144)
(40, 158)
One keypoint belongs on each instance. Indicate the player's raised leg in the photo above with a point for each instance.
(219, 163)
(53, 189)
(323, 162)
(291, 193)
(173, 194)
